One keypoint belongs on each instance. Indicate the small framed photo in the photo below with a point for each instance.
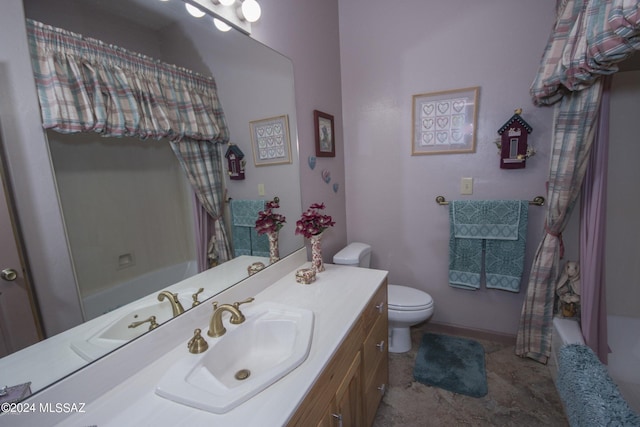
(270, 141)
(325, 134)
(444, 122)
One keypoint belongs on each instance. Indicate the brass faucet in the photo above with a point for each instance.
(216, 327)
(176, 306)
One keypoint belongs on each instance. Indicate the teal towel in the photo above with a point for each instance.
(500, 227)
(245, 212)
(246, 240)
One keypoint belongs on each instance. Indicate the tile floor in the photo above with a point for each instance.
(521, 391)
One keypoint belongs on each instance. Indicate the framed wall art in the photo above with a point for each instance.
(270, 141)
(444, 122)
(325, 134)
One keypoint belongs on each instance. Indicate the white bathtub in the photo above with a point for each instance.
(138, 287)
(624, 359)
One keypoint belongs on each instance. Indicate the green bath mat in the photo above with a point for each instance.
(451, 363)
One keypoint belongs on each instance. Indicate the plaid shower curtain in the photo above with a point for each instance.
(589, 38)
(86, 85)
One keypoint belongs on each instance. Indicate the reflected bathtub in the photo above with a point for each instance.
(123, 293)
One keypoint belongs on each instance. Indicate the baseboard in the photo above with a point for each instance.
(444, 328)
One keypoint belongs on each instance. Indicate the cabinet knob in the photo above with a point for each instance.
(380, 307)
(380, 346)
(338, 418)
(383, 389)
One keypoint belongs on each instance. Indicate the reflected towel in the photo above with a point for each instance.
(500, 227)
(246, 240)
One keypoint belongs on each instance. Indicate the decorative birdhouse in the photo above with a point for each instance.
(514, 149)
(235, 162)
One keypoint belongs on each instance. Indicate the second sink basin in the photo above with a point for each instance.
(273, 341)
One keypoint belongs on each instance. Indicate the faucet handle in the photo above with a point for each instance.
(245, 301)
(215, 305)
(197, 344)
(195, 297)
(152, 323)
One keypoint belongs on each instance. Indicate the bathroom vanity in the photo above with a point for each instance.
(342, 378)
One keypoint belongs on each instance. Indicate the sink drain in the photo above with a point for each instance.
(242, 374)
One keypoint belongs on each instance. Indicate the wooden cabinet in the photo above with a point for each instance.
(375, 354)
(349, 389)
(345, 410)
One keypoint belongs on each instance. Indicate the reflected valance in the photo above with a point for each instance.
(86, 85)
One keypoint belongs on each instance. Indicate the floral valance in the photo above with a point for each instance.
(590, 37)
(86, 85)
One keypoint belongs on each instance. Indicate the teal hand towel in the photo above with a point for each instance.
(465, 257)
(246, 240)
(504, 259)
(499, 227)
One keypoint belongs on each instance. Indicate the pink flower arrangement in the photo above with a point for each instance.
(268, 221)
(313, 222)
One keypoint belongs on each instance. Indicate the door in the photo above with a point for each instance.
(19, 324)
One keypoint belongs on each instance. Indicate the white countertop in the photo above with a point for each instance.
(337, 298)
(49, 360)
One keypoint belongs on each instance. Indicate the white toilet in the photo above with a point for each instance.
(407, 306)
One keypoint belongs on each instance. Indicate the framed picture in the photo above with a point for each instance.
(325, 135)
(444, 122)
(270, 141)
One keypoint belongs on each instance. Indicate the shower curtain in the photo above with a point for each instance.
(589, 38)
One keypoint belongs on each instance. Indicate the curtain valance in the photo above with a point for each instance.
(86, 85)
(590, 37)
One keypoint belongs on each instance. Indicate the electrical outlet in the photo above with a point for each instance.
(260, 189)
(466, 186)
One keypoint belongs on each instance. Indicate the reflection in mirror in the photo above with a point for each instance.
(133, 235)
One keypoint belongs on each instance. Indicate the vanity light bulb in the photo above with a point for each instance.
(227, 2)
(220, 25)
(251, 10)
(194, 11)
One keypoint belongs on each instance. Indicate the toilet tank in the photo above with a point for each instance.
(355, 254)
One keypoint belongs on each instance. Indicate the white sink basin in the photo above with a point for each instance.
(118, 332)
(250, 357)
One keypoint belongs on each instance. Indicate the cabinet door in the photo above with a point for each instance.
(349, 398)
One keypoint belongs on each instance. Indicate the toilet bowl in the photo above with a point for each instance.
(407, 306)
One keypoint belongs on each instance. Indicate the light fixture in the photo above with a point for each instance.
(221, 25)
(237, 14)
(250, 10)
(194, 11)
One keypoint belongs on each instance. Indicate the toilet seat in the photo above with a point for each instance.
(404, 298)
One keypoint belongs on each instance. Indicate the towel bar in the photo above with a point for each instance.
(538, 201)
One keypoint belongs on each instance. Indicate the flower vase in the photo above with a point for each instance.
(274, 251)
(316, 253)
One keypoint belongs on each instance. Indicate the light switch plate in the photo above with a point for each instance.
(466, 186)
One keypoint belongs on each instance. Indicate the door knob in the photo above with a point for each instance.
(9, 274)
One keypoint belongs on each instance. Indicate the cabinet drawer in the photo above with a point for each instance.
(375, 349)
(376, 308)
(374, 391)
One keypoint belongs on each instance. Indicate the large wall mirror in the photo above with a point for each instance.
(127, 207)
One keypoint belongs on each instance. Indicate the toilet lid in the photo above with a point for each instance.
(404, 298)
